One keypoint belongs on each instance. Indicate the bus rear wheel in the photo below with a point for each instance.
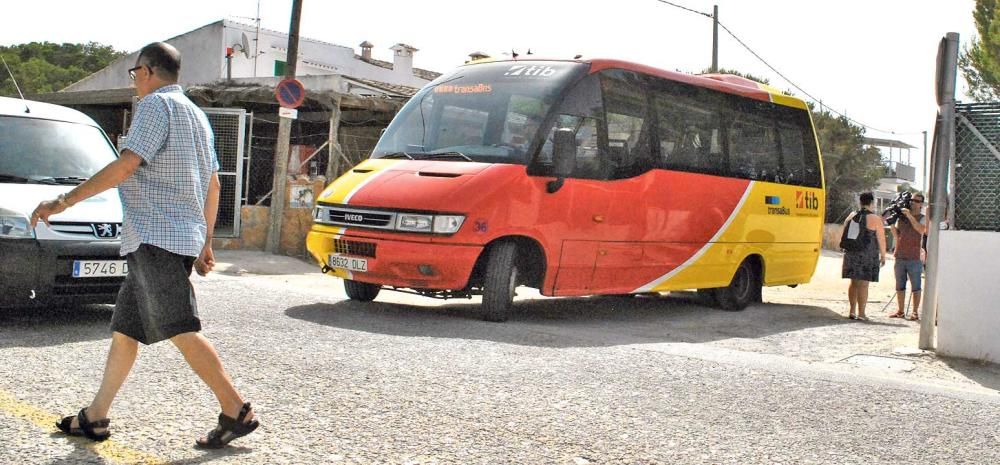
(500, 281)
(741, 291)
(363, 292)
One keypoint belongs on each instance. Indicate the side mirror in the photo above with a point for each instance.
(563, 157)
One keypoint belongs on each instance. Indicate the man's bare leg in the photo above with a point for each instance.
(121, 357)
(900, 299)
(204, 360)
(916, 305)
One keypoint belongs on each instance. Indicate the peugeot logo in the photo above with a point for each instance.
(106, 230)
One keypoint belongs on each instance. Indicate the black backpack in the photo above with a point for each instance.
(853, 238)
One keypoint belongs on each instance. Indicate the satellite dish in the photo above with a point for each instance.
(245, 44)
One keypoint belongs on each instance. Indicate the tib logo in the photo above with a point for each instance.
(806, 200)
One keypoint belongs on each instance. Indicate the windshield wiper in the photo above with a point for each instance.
(430, 156)
(398, 155)
(13, 178)
(75, 180)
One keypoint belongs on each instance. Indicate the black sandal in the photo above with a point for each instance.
(86, 427)
(228, 430)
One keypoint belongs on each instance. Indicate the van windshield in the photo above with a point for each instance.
(37, 150)
(486, 112)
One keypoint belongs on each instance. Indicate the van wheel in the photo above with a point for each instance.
(363, 292)
(741, 290)
(500, 281)
(707, 297)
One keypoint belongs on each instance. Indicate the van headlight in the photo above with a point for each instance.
(440, 224)
(448, 224)
(14, 225)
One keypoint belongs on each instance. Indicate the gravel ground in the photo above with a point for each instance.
(566, 381)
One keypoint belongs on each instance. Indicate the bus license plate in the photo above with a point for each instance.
(99, 268)
(349, 263)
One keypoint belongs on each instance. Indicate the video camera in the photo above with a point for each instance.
(895, 209)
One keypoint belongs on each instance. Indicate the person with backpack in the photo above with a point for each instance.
(863, 241)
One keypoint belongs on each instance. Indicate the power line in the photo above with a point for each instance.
(796, 86)
(685, 8)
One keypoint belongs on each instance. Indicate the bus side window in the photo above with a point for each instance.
(626, 106)
(588, 161)
(753, 146)
(688, 134)
(792, 155)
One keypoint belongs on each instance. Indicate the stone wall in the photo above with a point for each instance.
(254, 220)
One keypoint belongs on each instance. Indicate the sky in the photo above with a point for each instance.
(873, 60)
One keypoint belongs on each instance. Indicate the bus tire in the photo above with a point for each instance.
(741, 290)
(707, 297)
(500, 281)
(362, 292)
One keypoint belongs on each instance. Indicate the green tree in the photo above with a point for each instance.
(47, 67)
(849, 167)
(980, 61)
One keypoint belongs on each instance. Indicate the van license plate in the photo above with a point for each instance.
(99, 268)
(349, 263)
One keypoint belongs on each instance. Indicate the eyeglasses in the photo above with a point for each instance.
(131, 72)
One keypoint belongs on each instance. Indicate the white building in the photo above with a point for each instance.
(262, 53)
(897, 159)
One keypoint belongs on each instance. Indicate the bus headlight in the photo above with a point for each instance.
(415, 223)
(448, 224)
(14, 225)
(438, 224)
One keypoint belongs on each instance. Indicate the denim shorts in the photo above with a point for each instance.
(909, 268)
(156, 301)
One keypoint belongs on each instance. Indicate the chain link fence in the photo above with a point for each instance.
(977, 167)
(229, 126)
(308, 151)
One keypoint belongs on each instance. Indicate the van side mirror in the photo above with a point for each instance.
(563, 157)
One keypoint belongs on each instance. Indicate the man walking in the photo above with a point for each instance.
(908, 233)
(168, 179)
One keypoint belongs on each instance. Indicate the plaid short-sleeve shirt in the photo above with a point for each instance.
(164, 199)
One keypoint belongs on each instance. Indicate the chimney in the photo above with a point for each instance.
(366, 50)
(477, 56)
(402, 59)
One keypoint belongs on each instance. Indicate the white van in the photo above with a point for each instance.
(46, 150)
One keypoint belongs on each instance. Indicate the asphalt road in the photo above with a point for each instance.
(565, 381)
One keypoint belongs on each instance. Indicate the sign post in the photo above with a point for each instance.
(288, 91)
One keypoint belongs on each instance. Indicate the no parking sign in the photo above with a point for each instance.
(290, 93)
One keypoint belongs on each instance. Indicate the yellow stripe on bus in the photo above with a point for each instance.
(742, 235)
(346, 185)
(109, 450)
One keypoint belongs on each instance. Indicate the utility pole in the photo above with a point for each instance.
(947, 68)
(715, 38)
(925, 163)
(284, 134)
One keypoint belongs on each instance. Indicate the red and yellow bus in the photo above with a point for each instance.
(579, 178)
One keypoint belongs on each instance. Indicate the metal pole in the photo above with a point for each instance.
(925, 164)
(284, 134)
(715, 38)
(945, 148)
(335, 151)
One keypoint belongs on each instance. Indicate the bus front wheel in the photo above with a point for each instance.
(500, 281)
(741, 290)
(357, 290)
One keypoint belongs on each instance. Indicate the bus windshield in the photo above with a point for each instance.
(489, 112)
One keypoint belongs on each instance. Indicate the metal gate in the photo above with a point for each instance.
(976, 183)
(229, 125)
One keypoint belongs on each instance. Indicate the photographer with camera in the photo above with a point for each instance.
(908, 233)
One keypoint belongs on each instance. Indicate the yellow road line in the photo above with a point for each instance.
(108, 450)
